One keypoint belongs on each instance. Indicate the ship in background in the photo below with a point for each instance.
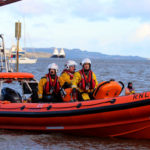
(62, 53)
(56, 53)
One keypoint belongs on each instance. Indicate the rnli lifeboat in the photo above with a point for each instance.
(121, 116)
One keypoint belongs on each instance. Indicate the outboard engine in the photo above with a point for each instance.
(11, 95)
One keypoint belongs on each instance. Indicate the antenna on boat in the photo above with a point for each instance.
(24, 33)
(18, 36)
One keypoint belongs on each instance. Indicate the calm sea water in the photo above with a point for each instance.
(135, 71)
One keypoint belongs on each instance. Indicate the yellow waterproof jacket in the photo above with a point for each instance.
(65, 77)
(41, 86)
(128, 92)
(77, 78)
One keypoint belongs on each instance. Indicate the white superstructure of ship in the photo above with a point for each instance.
(62, 53)
(55, 53)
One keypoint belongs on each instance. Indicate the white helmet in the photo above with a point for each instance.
(86, 60)
(70, 63)
(53, 66)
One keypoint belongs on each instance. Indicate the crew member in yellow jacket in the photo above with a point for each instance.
(49, 89)
(84, 81)
(67, 74)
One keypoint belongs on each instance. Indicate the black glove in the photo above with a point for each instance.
(62, 92)
(74, 91)
(74, 94)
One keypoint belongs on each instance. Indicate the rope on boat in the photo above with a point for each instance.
(112, 101)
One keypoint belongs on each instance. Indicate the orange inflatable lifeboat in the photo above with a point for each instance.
(122, 116)
(108, 89)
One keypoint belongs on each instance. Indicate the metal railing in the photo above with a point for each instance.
(4, 62)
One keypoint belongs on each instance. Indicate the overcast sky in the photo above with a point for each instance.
(116, 27)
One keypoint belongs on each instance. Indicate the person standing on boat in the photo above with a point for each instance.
(129, 90)
(67, 74)
(85, 81)
(49, 86)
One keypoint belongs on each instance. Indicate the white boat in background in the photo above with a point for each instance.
(55, 53)
(62, 53)
(24, 60)
(22, 56)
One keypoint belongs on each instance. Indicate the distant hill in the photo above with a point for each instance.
(77, 53)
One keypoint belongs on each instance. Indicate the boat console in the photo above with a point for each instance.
(11, 95)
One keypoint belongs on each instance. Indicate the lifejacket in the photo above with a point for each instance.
(51, 86)
(86, 83)
(132, 91)
(69, 73)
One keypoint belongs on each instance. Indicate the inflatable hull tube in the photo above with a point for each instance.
(102, 118)
(16, 75)
(107, 89)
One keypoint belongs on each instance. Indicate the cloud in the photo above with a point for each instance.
(25, 7)
(85, 9)
(40, 8)
(107, 26)
(90, 10)
(142, 33)
(131, 8)
(113, 9)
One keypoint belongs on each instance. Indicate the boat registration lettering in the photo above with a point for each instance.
(139, 96)
(40, 105)
(55, 128)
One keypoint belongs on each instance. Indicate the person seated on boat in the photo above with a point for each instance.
(49, 86)
(67, 74)
(85, 81)
(129, 90)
